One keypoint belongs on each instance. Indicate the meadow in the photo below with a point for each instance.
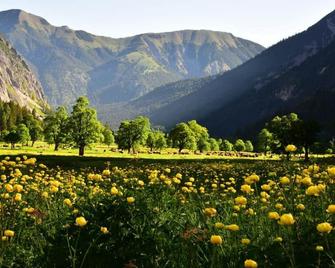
(150, 211)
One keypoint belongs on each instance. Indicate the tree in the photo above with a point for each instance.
(200, 133)
(182, 137)
(239, 145)
(84, 127)
(108, 136)
(265, 141)
(12, 137)
(226, 146)
(283, 129)
(307, 133)
(23, 132)
(214, 145)
(156, 140)
(133, 133)
(35, 130)
(249, 146)
(56, 127)
(204, 145)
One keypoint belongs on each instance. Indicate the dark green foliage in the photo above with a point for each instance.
(226, 145)
(239, 145)
(156, 140)
(133, 133)
(11, 114)
(108, 135)
(249, 147)
(56, 127)
(84, 127)
(183, 137)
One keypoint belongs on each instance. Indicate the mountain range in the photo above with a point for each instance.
(17, 82)
(230, 85)
(295, 75)
(72, 63)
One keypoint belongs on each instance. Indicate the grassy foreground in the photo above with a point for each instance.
(126, 212)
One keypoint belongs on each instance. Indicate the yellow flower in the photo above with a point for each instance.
(81, 221)
(18, 197)
(104, 230)
(9, 188)
(284, 180)
(130, 200)
(266, 187)
(252, 179)
(313, 190)
(9, 233)
(67, 202)
(210, 212)
(286, 219)
(278, 239)
(45, 195)
(245, 241)
(301, 207)
(241, 200)
(219, 225)
(114, 191)
(232, 227)
(53, 189)
(216, 240)
(331, 171)
(319, 248)
(106, 172)
(324, 227)
(18, 188)
(273, 215)
(246, 188)
(306, 181)
(290, 148)
(331, 209)
(250, 264)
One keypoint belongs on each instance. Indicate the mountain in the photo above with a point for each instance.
(72, 63)
(272, 82)
(17, 83)
(152, 101)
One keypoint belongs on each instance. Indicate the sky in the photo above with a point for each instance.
(263, 21)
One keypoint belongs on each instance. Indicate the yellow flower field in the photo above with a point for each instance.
(215, 214)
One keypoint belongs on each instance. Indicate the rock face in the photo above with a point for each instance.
(72, 63)
(17, 82)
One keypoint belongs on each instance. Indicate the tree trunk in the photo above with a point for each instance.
(180, 149)
(306, 154)
(13, 145)
(32, 143)
(81, 150)
(56, 146)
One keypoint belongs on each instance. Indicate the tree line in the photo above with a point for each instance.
(81, 127)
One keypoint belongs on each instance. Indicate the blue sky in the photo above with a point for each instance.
(263, 21)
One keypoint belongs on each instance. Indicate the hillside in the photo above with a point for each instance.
(152, 101)
(72, 63)
(308, 89)
(17, 83)
(207, 104)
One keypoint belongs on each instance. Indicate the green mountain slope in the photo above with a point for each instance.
(17, 82)
(72, 63)
(210, 103)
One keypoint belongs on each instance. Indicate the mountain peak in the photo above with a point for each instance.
(17, 16)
